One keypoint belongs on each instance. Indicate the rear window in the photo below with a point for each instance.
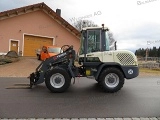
(54, 50)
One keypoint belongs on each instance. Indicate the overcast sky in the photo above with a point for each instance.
(134, 23)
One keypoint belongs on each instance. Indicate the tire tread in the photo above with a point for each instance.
(66, 76)
(102, 81)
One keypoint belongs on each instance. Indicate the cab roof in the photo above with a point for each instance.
(93, 28)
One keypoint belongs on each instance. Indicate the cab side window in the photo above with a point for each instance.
(93, 41)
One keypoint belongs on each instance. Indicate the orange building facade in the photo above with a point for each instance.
(28, 28)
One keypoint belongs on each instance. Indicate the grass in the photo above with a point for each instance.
(149, 71)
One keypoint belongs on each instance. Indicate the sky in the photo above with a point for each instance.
(134, 23)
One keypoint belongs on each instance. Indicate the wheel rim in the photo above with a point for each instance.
(112, 80)
(57, 80)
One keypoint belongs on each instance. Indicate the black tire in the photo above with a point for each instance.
(111, 80)
(58, 80)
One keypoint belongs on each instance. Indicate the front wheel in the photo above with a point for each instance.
(58, 80)
(111, 80)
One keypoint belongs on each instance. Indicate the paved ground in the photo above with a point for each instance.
(151, 118)
(138, 98)
(134, 118)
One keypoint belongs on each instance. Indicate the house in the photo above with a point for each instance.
(28, 28)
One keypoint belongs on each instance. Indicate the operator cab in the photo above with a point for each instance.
(94, 41)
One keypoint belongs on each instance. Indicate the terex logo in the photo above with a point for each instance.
(130, 71)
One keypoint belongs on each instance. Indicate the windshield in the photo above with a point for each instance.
(54, 50)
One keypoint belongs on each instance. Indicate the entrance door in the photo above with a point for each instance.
(14, 46)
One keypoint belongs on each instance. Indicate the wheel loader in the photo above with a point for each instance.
(108, 67)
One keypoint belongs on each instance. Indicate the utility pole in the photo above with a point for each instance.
(146, 54)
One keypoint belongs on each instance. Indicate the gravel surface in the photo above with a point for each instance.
(22, 68)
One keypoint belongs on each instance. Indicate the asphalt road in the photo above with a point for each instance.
(140, 97)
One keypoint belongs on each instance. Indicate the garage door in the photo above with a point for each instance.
(32, 43)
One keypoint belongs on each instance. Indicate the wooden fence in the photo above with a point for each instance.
(150, 65)
(149, 59)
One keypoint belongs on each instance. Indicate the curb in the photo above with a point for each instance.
(134, 118)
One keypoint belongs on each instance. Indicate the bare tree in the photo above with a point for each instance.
(83, 23)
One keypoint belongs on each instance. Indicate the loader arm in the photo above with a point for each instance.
(67, 56)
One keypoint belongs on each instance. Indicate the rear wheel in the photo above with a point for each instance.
(58, 80)
(111, 80)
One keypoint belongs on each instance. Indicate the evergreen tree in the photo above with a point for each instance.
(158, 52)
(152, 52)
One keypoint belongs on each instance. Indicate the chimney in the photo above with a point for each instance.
(58, 11)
